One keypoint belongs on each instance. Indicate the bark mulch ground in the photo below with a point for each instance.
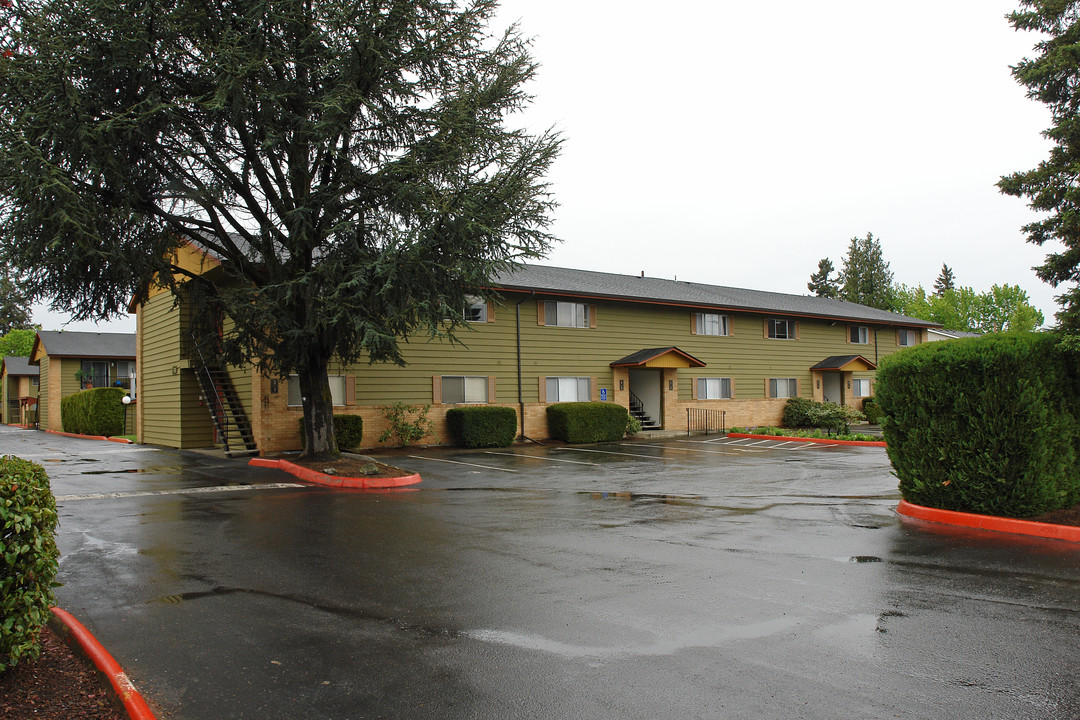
(354, 466)
(63, 686)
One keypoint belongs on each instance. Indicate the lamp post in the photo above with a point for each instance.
(127, 401)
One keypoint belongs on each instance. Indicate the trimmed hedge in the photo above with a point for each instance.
(586, 422)
(872, 411)
(29, 558)
(986, 425)
(348, 430)
(98, 411)
(800, 412)
(482, 426)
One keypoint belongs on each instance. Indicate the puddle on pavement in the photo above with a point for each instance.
(860, 559)
(131, 470)
(644, 497)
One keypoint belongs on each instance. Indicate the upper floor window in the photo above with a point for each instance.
(859, 334)
(34, 380)
(718, 388)
(476, 310)
(710, 324)
(905, 338)
(566, 314)
(464, 389)
(782, 329)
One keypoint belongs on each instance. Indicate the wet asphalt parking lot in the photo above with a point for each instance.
(688, 578)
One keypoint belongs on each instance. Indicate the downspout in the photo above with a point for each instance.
(521, 397)
(875, 346)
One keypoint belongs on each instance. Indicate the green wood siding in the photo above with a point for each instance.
(43, 393)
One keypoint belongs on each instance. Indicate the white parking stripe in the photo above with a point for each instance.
(612, 452)
(458, 462)
(536, 457)
(689, 450)
(178, 491)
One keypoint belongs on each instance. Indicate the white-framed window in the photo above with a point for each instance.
(860, 334)
(783, 387)
(710, 324)
(718, 388)
(476, 310)
(337, 390)
(566, 314)
(34, 380)
(458, 389)
(905, 338)
(860, 387)
(782, 329)
(568, 389)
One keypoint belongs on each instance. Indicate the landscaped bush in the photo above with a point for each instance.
(986, 425)
(348, 429)
(98, 411)
(872, 411)
(482, 426)
(29, 558)
(802, 412)
(584, 422)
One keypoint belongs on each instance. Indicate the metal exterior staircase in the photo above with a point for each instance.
(637, 410)
(226, 410)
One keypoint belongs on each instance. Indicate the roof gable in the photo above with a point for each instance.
(60, 343)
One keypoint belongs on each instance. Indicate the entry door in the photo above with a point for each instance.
(645, 386)
(832, 386)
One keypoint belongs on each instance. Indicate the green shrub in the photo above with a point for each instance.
(348, 430)
(985, 425)
(29, 559)
(482, 426)
(406, 431)
(98, 411)
(872, 411)
(802, 412)
(584, 422)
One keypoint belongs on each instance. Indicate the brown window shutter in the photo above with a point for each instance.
(491, 310)
(491, 388)
(765, 328)
(731, 387)
(730, 326)
(436, 389)
(796, 329)
(693, 323)
(767, 395)
(543, 390)
(594, 389)
(540, 315)
(848, 338)
(592, 316)
(350, 389)
(798, 387)
(693, 388)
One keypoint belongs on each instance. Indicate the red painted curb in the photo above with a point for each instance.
(990, 522)
(133, 702)
(825, 441)
(90, 437)
(313, 476)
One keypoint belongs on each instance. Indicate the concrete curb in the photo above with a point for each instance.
(824, 441)
(990, 522)
(90, 437)
(71, 629)
(336, 481)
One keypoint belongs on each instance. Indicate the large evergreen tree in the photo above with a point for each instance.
(14, 303)
(349, 162)
(823, 283)
(945, 281)
(866, 277)
(1053, 77)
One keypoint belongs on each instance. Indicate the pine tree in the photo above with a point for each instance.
(866, 277)
(944, 281)
(823, 283)
(1053, 77)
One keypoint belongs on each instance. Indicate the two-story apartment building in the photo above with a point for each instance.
(552, 335)
(18, 390)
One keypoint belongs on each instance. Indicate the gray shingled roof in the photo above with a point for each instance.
(589, 283)
(836, 362)
(59, 343)
(18, 365)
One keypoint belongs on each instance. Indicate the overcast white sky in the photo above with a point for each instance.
(738, 143)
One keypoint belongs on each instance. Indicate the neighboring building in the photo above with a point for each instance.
(74, 361)
(18, 391)
(659, 345)
(934, 334)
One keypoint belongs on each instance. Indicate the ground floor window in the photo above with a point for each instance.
(464, 389)
(568, 389)
(860, 387)
(714, 388)
(337, 390)
(783, 387)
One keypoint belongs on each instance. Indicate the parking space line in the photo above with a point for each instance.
(178, 491)
(537, 457)
(689, 450)
(458, 462)
(612, 452)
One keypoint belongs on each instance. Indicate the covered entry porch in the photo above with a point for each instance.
(832, 378)
(647, 384)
